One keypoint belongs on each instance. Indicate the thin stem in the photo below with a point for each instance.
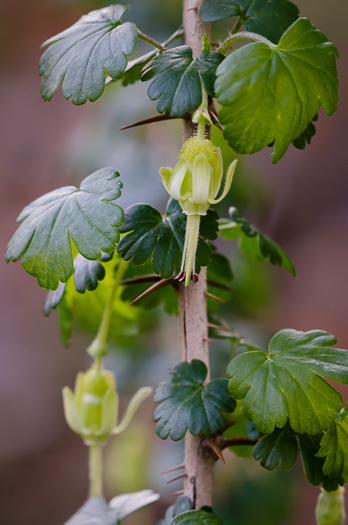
(150, 40)
(99, 346)
(95, 471)
(192, 232)
(237, 26)
(243, 34)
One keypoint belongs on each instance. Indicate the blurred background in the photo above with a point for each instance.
(302, 203)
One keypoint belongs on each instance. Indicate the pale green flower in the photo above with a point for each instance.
(330, 508)
(195, 183)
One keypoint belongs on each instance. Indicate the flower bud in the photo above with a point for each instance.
(330, 508)
(91, 410)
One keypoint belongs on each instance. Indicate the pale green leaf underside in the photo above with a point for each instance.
(286, 382)
(86, 215)
(79, 57)
(334, 448)
(271, 93)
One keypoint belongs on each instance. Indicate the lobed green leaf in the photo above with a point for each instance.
(161, 239)
(271, 93)
(269, 18)
(254, 243)
(79, 57)
(188, 404)
(87, 216)
(285, 383)
(179, 79)
(334, 448)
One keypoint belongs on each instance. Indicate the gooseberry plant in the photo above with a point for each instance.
(268, 91)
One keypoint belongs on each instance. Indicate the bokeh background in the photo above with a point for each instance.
(302, 203)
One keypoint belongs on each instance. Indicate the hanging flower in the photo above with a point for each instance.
(195, 183)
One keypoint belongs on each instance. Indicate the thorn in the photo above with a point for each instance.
(178, 493)
(174, 468)
(177, 477)
(207, 294)
(152, 289)
(215, 448)
(218, 327)
(215, 120)
(208, 339)
(156, 118)
(142, 279)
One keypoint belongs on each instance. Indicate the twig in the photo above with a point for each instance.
(150, 40)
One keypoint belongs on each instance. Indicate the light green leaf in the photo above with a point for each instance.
(271, 93)
(254, 243)
(86, 215)
(79, 57)
(178, 79)
(334, 448)
(269, 18)
(286, 383)
(87, 308)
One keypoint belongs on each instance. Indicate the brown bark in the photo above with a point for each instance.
(199, 461)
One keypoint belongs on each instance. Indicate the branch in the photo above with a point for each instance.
(150, 40)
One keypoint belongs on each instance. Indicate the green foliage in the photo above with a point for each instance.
(334, 448)
(252, 81)
(197, 517)
(182, 504)
(254, 243)
(269, 18)
(188, 404)
(286, 383)
(96, 511)
(162, 238)
(87, 308)
(306, 135)
(79, 57)
(179, 79)
(279, 448)
(87, 216)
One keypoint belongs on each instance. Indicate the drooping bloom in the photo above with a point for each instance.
(195, 183)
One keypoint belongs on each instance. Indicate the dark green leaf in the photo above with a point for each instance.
(196, 517)
(87, 273)
(80, 56)
(306, 135)
(182, 504)
(87, 216)
(313, 465)
(179, 79)
(334, 448)
(96, 511)
(162, 238)
(279, 448)
(286, 383)
(188, 404)
(269, 18)
(271, 93)
(254, 243)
